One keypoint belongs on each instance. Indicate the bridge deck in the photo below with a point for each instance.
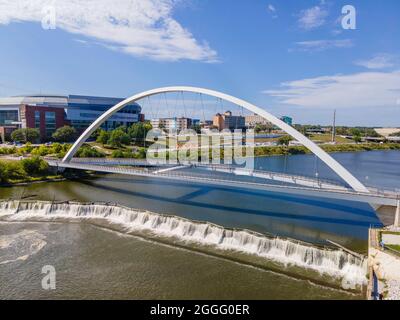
(388, 198)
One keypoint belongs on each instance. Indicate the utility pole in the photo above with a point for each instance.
(334, 127)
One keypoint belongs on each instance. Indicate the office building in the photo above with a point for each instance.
(50, 112)
(228, 121)
(172, 124)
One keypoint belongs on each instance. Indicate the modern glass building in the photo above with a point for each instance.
(49, 112)
(288, 120)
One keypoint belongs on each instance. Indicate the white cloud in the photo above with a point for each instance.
(142, 28)
(380, 61)
(321, 45)
(272, 10)
(359, 90)
(312, 18)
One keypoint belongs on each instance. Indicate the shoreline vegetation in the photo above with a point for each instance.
(329, 148)
(35, 169)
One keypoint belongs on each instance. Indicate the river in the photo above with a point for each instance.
(93, 262)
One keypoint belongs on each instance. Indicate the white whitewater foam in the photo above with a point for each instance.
(20, 246)
(333, 262)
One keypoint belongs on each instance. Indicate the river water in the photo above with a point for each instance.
(93, 262)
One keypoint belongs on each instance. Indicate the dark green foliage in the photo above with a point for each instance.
(25, 135)
(65, 134)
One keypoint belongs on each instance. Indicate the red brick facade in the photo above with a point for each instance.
(28, 117)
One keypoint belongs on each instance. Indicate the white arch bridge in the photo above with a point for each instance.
(294, 184)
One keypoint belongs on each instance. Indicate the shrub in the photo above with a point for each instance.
(140, 154)
(41, 151)
(35, 166)
(56, 148)
(15, 170)
(89, 152)
(5, 150)
(3, 172)
(118, 154)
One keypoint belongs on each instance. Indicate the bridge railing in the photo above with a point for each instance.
(277, 174)
(145, 172)
(319, 181)
(139, 162)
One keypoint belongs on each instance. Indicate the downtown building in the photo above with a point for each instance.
(228, 121)
(253, 120)
(47, 113)
(172, 124)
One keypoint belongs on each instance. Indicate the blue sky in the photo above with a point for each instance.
(289, 57)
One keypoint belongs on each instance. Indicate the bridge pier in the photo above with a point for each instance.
(397, 216)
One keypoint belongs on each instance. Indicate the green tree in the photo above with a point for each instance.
(357, 138)
(258, 128)
(64, 134)
(284, 140)
(356, 133)
(117, 138)
(103, 137)
(139, 130)
(25, 135)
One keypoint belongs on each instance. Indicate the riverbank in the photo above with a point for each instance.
(330, 148)
(33, 170)
(384, 263)
(92, 150)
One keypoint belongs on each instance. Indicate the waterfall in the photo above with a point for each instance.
(336, 263)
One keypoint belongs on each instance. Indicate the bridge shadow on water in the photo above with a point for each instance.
(369, 216)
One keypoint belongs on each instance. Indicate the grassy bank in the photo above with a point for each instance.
(32, 170)
(26, 170)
